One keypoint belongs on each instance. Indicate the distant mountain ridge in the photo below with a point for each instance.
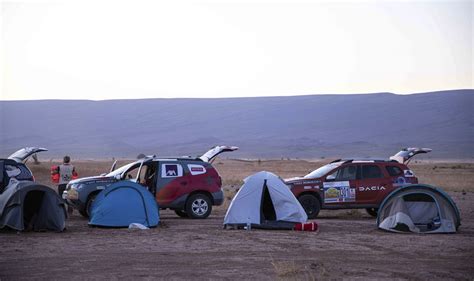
(362, 125)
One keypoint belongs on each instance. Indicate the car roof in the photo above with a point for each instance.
(362, 160)
(154, 158)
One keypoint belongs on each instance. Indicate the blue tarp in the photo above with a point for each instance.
(123, 203)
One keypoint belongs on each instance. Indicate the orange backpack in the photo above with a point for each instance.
(55, 174)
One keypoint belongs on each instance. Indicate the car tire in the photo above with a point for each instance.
(181, 213)
(84, 213)
(310, 204)
(372, 211)
(198, 206)
(89, 202)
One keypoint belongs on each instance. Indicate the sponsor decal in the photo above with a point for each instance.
(338, 192)
(196, 169)
(306, 182)
(371, 188)
(408, 173)
(311, 181)
(171, 171)
(399, 181)
(106, 182)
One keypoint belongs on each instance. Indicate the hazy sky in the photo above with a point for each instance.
(145, 49)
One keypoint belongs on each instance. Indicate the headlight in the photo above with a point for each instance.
(71, 193)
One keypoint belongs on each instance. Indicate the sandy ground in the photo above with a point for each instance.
(348, 246)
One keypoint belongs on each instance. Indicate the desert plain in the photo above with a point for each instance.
(348, 245)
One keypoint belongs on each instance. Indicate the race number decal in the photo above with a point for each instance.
(338, 191)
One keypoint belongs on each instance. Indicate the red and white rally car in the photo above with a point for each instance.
(352, 183)
(189, 186)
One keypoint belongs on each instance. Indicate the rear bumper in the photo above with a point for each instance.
(218, 197)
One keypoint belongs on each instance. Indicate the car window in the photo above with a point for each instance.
(394, 171)
(371, 172)
(120, 170)
(150, 171)
(322, 170)
(347, 173)
(132, 173)
(18, 171)
(143, 172)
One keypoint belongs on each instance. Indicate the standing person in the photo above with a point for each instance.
(66, 172)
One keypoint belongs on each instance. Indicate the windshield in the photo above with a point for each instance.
(322, 170)
(120, 170)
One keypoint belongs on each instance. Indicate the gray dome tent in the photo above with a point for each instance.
(264, 201)
(26, 205)
(418, 208)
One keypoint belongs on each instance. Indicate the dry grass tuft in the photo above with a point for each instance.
(355, 213)
(285, 268)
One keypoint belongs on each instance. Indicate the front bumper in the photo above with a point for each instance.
(77, 204)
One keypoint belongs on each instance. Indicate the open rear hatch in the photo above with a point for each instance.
(404, 156)
(216, 150)
(23, 154)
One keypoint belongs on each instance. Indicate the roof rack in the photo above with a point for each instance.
(360, 160)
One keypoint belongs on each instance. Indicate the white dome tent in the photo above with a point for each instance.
(264, 201)
(418, 208)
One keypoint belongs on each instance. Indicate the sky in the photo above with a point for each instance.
(171, 49)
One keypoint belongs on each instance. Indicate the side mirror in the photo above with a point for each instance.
(331, 177)
(118, 177)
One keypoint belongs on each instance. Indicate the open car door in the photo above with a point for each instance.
(216, 150)
(23, 154)
(404, 156)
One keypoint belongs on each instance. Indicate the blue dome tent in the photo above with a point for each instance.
(123, 203)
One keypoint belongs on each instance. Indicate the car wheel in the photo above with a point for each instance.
(372, 211)
(198, 206)
(90, 200)
(310, 204)
(181, 213)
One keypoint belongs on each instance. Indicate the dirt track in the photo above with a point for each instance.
(348, 246)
